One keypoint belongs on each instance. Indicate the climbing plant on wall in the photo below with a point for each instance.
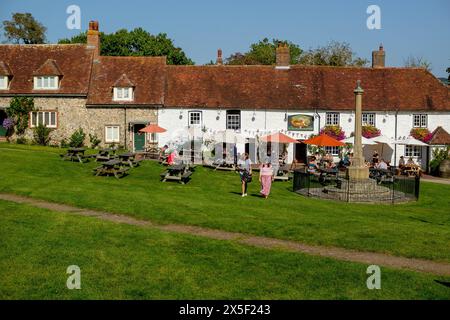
(19, 112)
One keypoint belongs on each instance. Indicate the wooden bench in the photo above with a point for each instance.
(164, 174)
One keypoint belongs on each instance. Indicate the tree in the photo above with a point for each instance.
(333, 54)
(263, 52)
(417, 62)
(41, 134)
(137, 42)
(24, 28)
(448, 71)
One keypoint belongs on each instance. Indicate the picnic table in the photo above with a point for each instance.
(412, 170)
(227, 165)
(282, 173)
(328, 175)
(75, 154)
(105, 155)
(381, 175)
(111, 167)
(129, 159)
(177, 172)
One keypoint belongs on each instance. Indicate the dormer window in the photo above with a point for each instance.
(123, 94)
(47, 76)
(46, 82)
(5, 76)
(3, 82)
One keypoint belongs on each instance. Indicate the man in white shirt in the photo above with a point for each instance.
(382, 165)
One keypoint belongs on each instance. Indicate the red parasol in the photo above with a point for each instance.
(324, 141)
(279, 138)
(153, 128)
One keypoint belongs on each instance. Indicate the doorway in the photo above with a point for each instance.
(3, 116)
(138, 138)
(301, 152)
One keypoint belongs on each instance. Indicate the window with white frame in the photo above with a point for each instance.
(234, 119)
(46, 118)
(413, 151)
(368, 119)
(3, 82)
(332, 150)
(195, 118)
(112, 134)
(123, 93)
(420, 120)
(46, 82)
(332, 119)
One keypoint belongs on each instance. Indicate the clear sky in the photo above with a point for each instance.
(408, 27)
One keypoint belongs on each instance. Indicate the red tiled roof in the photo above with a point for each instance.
(4, 69)
(440, 137)
(123, 81)
(252, 87)
(304, 87)
(74, 61)
(146, 73)
(49, 68)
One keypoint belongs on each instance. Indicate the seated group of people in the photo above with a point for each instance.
(318, 162)
(402, 163)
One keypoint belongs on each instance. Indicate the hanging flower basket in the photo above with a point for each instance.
(422, 134)
(335, 132)
(370, 132)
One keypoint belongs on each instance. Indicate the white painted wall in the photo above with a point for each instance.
(271, 121)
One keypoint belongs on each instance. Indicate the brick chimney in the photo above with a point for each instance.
(219, 60)
(283, 56)
(378, 58)
(93, 38)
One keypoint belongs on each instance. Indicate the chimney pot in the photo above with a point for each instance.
(219, 60)
(379, 57)
(93, 38)
(283, 57)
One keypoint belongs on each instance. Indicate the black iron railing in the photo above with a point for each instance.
(383, 186)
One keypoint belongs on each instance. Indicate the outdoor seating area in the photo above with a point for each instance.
(112, 164)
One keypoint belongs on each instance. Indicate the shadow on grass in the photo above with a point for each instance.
(444, 283)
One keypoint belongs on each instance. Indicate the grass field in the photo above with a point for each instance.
(211, 199)
(129, 262)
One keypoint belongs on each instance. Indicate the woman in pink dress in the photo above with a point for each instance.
(266, 178)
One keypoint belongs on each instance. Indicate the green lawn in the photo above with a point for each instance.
(129, 262)
(212, 199)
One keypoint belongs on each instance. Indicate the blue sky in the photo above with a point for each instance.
(418, 28)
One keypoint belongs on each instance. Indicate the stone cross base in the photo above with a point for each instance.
(358, 173)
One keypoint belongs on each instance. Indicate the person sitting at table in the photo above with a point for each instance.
(171, 157)
(330, 165)
(375, 157)
(317, 157)
(162, 152)
(410, 161)
(345, 162)
(382, 165)
(312, 166)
